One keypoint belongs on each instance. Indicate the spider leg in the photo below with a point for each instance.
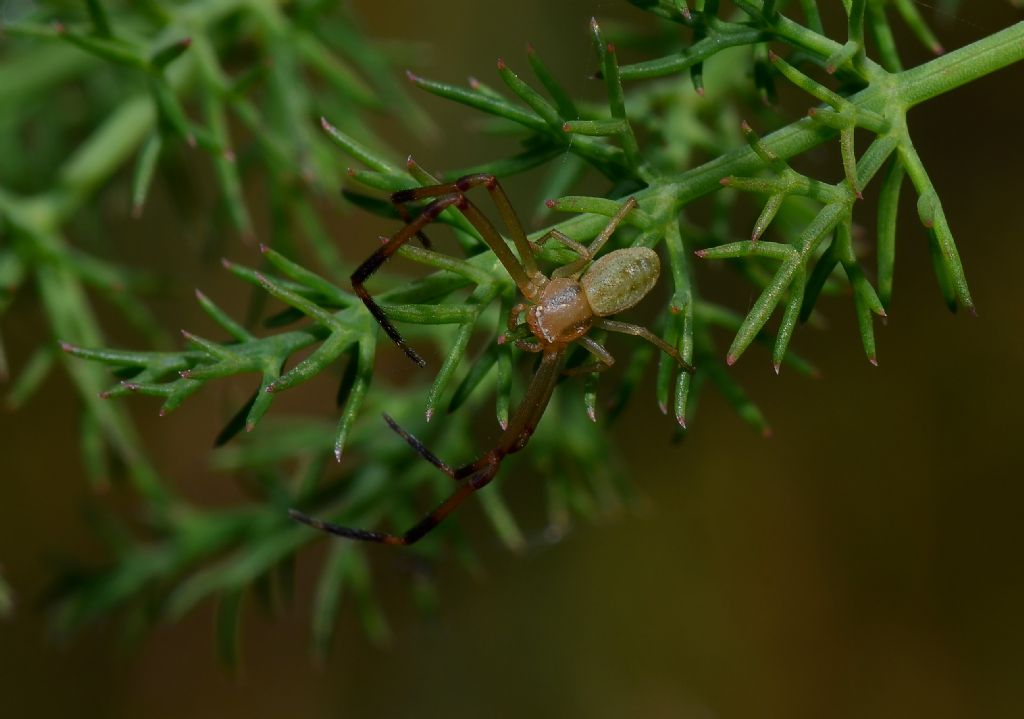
(524, 270)
(420, 448)
(514, 326)
(644, 334)
(475, 475)
(378, 258)
(573, 267)
(513, 315)
(604, 359)
(529, 345)
(613, 223)
(403, 212)
(412, 535)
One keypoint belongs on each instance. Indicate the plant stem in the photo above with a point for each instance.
(962, 66)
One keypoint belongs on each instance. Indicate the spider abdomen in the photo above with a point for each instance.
(620, 279)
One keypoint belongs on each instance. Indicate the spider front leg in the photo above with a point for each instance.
(580, 249)
(523, 270)
(403, 213)
(383, 253)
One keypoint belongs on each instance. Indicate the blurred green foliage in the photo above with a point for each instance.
(149, 70)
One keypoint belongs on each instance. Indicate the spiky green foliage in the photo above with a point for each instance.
(641, 136)
(160, 81)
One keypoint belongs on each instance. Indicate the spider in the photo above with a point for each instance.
(560, 311)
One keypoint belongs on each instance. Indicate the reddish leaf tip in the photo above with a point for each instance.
(566, 127)
(745, 127)
(610, 47)
(325, 124)
(162, 412)
(550, 204)
(530, 49)
(778, 368)
(772, 56)
(701, 253)
(412, 76)
(429, 414)
(873, 360)
(681, 421)
(730, 360)
(501, 64)
(66, 346)
(592, 414)
(663, 407)
(725, 181)
(250, 426)
(938, 49)
(767, 433)
(701, 91)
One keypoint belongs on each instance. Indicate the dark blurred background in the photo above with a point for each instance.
(864, 561)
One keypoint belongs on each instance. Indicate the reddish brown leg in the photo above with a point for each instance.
(420, 448)
(383, 253)
(528, 268)
(474, 475)
(403, 212)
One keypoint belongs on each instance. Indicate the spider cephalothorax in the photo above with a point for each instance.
(560, 311)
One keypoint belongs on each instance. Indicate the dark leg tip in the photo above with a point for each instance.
(403, 196)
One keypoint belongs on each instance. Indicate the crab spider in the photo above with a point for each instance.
(560, 310)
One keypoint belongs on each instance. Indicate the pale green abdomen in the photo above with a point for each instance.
(620, 279)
